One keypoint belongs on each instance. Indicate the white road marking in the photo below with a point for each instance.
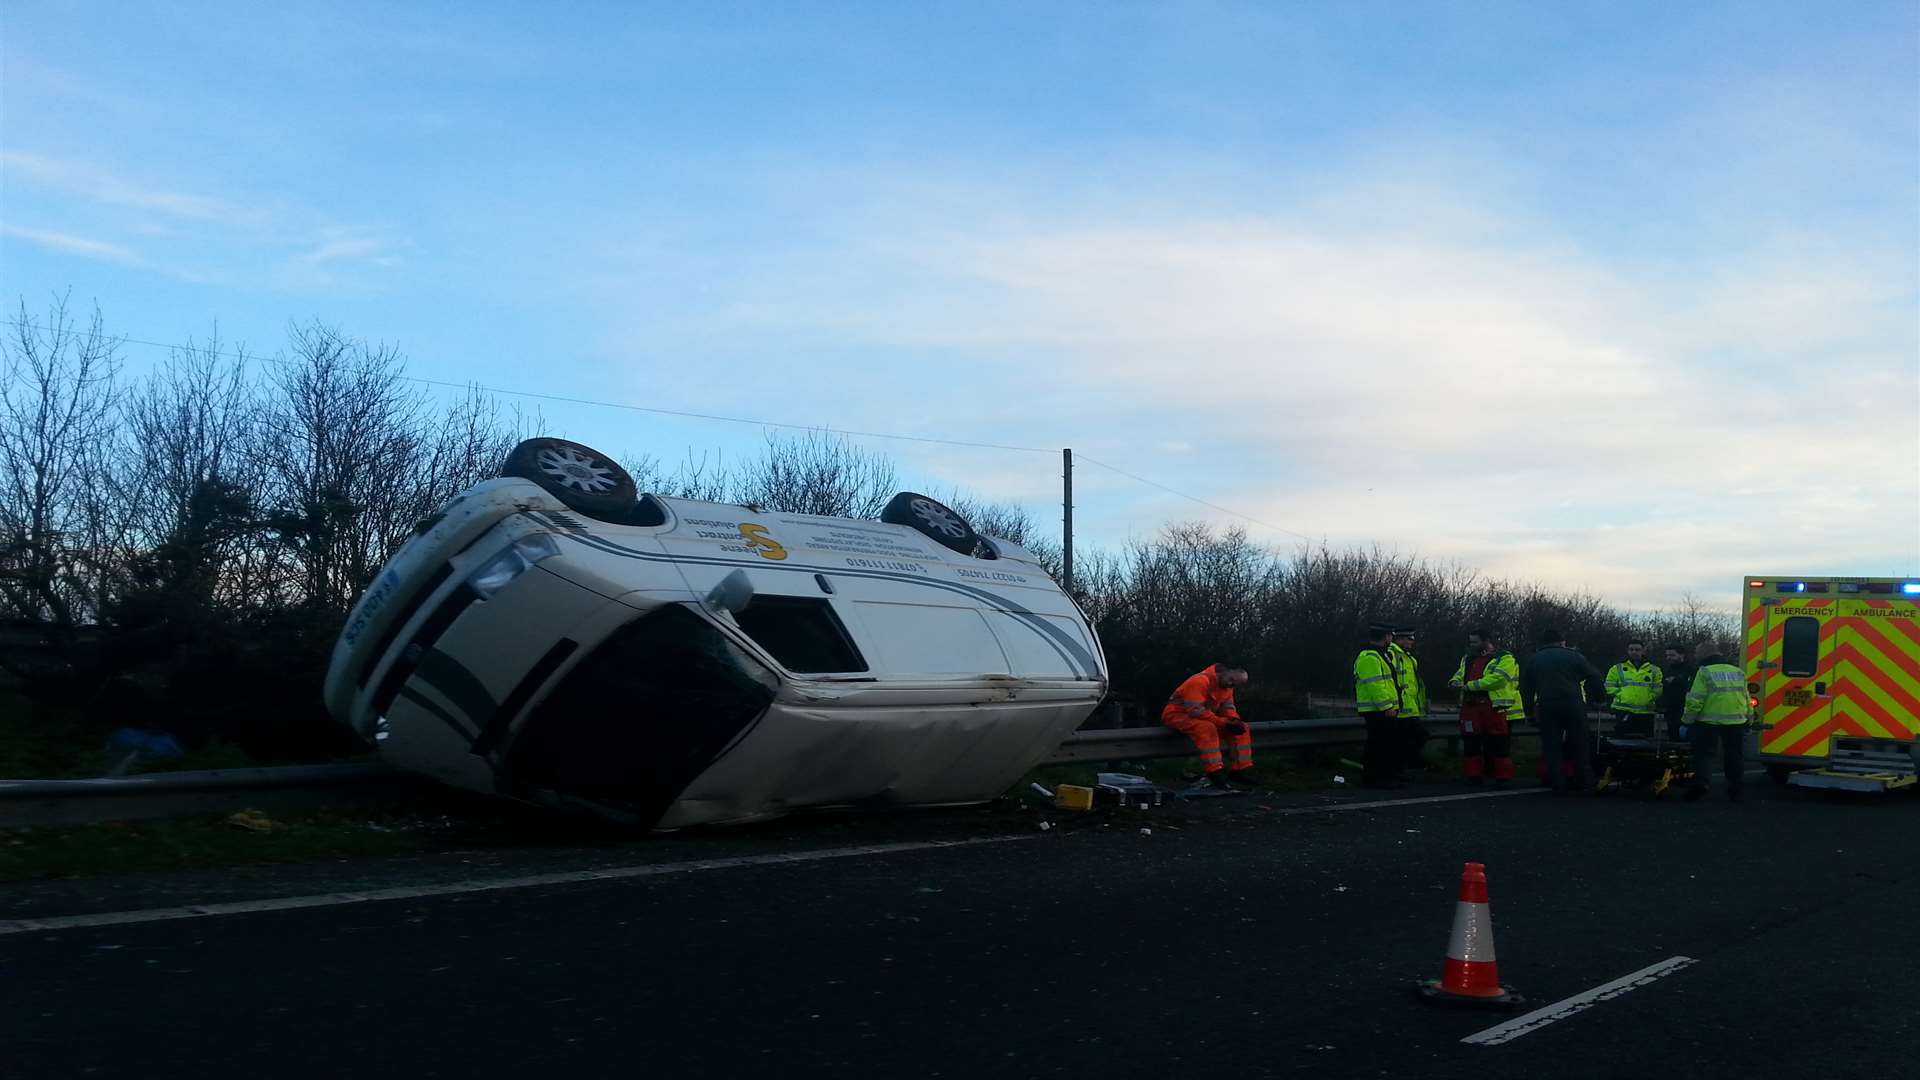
(1578, 1003)
(287, 903)
(1378, 803)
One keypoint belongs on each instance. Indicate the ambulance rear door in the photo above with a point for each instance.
(1795, 672)
(1876, 675)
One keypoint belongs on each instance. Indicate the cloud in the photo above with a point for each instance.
(1406, 364)
(73, 245)
(351, 248)
(206, 240)
(88, 182)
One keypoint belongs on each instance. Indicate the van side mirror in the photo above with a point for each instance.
(733, 594)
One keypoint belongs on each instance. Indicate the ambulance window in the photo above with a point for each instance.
(1800, 646)
(802, 633)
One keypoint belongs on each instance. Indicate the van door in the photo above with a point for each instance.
(1796, 676)
(1876, 675)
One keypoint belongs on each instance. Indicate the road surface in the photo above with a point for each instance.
(1251, 937)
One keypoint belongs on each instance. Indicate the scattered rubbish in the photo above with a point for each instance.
(1125, 788)
(1146, 832)
(251, 819)
(1413, 830)
(1339, 779)
(1041, 791)
(128, 745)
(1351, 764)
(1339, 888)
(1046, 825)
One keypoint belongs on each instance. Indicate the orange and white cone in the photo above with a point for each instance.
(1471, 975)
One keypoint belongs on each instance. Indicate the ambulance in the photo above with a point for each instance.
(1833, 668)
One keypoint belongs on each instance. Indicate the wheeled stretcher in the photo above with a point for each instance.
(1634, 754)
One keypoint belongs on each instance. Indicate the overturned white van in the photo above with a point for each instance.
(556, 637)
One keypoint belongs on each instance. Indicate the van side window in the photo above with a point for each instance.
(1800, 646)
(802, 633)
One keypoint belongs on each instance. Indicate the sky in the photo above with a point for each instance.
(1621, 298)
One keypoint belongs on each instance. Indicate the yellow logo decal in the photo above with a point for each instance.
(760, 543)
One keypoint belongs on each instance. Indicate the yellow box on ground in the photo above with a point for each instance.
(1073, 797)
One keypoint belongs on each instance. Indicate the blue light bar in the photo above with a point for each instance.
(1791, 586)
(1911, 588)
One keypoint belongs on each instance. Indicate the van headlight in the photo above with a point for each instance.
(519, 557)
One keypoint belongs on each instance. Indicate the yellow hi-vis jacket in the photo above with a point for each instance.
(1413, 693)
(1500, 681)
(1634, 689)
(1719, 696)
(1374, 687)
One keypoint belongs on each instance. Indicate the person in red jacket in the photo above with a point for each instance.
(1202, 709)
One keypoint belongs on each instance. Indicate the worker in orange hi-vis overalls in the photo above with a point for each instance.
(1203, 710)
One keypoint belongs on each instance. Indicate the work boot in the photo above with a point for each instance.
(1219, 780)
(1239, 776)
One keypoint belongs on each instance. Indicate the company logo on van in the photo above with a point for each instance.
(760, 543)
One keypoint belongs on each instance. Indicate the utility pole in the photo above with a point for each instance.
(1066, 520)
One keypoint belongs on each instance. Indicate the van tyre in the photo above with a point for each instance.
(933, 519)
(582, 478)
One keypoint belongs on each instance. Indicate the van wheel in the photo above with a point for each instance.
(932, 519)
(1778, 774)
(579, 476)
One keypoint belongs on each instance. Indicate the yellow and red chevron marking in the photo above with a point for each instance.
(1756, 635)
(1876, 694)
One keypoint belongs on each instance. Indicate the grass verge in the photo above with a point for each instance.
(195, 843)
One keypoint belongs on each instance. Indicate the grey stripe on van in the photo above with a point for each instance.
(458, 685)
(432, 706)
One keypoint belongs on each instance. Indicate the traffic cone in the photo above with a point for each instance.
(1471, 975)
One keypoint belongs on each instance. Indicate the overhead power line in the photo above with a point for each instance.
(1193, 498)
(690, 415)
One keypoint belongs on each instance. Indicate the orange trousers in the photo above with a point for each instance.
(1206, 734)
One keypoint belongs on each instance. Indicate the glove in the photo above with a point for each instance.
(1683, 731)
(1233, 727)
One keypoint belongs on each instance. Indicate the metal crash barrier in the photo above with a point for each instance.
(32, 803)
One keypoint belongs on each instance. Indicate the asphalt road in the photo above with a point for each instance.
(1233, 941)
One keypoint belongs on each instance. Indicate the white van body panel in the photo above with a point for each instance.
(960, 673)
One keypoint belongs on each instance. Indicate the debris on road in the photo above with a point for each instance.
(253, 820)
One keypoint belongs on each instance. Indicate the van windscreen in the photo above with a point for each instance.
(630, 726)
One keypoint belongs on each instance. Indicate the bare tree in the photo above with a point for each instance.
(58, 396)
(462, 446)
(341, 448)
(817, 473)
(191, 476)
